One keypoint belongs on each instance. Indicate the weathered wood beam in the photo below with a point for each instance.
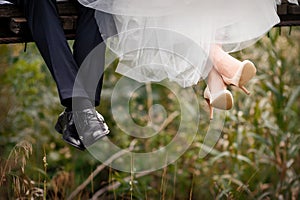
(13, 27)
(9, 10)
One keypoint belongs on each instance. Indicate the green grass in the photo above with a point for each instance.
(257, 156)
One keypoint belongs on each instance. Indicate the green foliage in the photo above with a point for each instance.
(257, 156)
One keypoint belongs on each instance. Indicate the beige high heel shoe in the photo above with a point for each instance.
(222, 100)
(245, 73)
(225, 64)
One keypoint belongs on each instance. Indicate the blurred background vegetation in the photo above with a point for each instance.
(257, 156)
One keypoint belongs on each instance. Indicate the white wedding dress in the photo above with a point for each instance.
(160, 39)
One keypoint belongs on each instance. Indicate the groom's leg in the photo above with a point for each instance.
(87, 38)
(47, 32)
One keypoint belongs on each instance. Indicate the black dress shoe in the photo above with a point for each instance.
(65, 125)
(90, 126)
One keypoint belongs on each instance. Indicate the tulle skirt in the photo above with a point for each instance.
(160, 39)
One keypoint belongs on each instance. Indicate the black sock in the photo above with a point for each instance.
(68, 109)
(81, 104)
(77, 104)
(68, 104)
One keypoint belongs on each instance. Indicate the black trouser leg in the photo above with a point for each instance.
(87, 38)
(47, 32)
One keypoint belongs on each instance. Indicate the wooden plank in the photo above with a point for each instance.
(294, 9)
(13, 27)
(66, 8)
(282, 9)
(69, 22)
(10, 10)
(22, 39)
(18, 25)
(289, 20)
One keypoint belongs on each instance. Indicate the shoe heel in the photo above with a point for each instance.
(207, 99)
(58, 126)
(245, 90)
(223, 100)
(211, 109)
(243, 76)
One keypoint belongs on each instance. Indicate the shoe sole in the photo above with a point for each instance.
(87, 144)
(223, 102)
(73, 145)
(248, 72)
(58, 128)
